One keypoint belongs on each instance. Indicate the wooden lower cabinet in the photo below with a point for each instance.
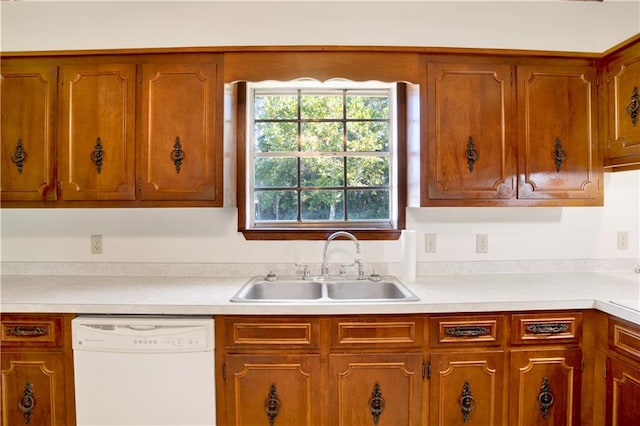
(37, 370)
(273, 389)
(375, 389)
(623, 393)
(467, 388)
(545, 387)
(623, 373)
(31, 384)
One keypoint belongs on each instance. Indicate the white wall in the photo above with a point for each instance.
(209, 235)
(587, 26)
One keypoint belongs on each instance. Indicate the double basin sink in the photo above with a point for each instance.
(316, 290)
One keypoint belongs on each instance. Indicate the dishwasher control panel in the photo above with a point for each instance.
(142, 334)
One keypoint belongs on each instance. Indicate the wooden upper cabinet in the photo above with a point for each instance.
(469, 133)
(558, 154)
(28, 97)
(622, 101)
(180, 133)
(97, 131)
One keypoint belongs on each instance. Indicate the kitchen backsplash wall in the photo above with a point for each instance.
(208, 235)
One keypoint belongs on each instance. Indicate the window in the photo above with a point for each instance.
(321, 156)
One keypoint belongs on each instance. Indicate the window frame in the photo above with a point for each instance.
(313, 231)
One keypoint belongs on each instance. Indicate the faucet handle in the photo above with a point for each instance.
(305, 270)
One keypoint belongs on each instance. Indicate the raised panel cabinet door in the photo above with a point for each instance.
(181, 132)
(28, 98)
(545, 387)
(97, 142)
(558, 153)
(467, 389)
(623, 83)
(623, 393)
(375, 389)
(470, 152)
(33, 389)
(270, 390)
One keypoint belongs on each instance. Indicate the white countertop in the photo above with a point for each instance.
(612, 292)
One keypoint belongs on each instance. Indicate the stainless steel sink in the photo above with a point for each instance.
(369, 290)
(279, 290)
(318, 290)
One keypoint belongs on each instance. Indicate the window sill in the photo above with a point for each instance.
(318, 234)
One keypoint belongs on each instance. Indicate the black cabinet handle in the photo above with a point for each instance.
(19, 156)
(376, 403)
(559, 154)
(633, 106)
(97, 155)
(467, 402)
(545, 398)
(471, 153)
(177, 154)
(272, 405)
(27, 402)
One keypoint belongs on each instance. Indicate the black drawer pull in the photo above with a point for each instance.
(467, 331)
(551, 328)
(33, 331)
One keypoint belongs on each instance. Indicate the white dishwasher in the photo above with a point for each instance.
(142, 370)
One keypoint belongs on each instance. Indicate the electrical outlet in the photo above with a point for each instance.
(429, 243)
(482, 243)
(96, 244)
(623, 240)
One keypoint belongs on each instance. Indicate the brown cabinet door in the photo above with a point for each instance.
(287, 388)
(558, 153)
(623, 393)
(380, 389)
(33, 389)
(469, 153)
(623, 87)
(180, 143)
(467, 389)
(97, 144)
(545, 387)
(28, 142)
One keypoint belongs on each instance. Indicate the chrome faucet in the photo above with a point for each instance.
(324, 270)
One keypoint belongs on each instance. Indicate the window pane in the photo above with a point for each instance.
(280, 106)
(321, 137)
(365, 105)
(276, 137)
(320, 105)
(368, 204)
(321, 205)
(276, 205)
(367, 171)
(275, 172)
(368, 136)
(322, 171)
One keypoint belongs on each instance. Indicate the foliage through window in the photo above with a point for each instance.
(322, 155)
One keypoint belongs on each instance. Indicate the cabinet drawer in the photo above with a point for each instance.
(260, 333)
(377, 331)
(31, 331)
(563, 327)
(624, 338)
(467, 330)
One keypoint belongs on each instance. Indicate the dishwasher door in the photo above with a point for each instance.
(152, 371)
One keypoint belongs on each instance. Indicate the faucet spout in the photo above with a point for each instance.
(325, 267)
